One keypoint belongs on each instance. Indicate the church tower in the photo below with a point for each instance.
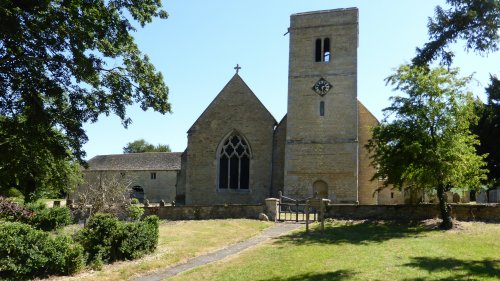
(321, 150)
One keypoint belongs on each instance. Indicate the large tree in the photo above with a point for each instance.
(140, 146)
(63, 63)
(477, 23)
(424, 141)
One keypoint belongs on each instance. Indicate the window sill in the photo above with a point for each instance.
(237, 191)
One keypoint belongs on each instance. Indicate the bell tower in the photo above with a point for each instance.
(321, 147)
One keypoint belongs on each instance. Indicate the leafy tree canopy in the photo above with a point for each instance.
(424, 141)
(139, 146)
(474, 21)
(63, 63)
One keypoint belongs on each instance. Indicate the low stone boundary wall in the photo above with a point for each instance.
(206, 212)
(462, 212)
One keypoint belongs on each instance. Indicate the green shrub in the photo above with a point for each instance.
(98, 237)
(12, 211)
(27, 253)
(36, 206)
(49, 219)
(138, 238)
(14, 192)
(106, 239)
(135, 211)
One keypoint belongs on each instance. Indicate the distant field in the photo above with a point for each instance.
(367, 251)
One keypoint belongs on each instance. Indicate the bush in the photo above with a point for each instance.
(98, 237)
(36, 206)
(12, 211)
(49, 219)
(26, 253)
(138, 238)
(135, 211)
(106, 239)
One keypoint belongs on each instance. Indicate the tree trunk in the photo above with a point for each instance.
(447, 223)
(29, 189)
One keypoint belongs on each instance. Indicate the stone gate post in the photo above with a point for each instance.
(272, 208)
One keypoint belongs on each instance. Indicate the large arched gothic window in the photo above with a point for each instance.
(234, 163)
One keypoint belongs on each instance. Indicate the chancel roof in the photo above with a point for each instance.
(156, 161)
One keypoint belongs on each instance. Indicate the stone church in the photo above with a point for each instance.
(238, 153)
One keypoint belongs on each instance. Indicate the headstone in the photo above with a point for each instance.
(263, 217)
(493, 196)
(146, 203)
(481, 197)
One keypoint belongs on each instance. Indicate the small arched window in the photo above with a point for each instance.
(318, 50)
(326, 50)
(321, 108)
(322, 50)
(234, 163)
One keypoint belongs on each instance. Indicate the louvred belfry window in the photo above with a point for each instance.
(234, 163)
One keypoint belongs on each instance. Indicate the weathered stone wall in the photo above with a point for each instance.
(390, 196)
(279, 158)
(236, 108)
(323, 148)
(464, 212)
(206, 212)
(366, 188)
(180, 197)
(161, 188)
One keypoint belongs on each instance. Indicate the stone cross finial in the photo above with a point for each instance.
(237, 67)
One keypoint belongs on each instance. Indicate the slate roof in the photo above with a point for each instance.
(155, 161)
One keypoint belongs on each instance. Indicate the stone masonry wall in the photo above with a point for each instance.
(206, 212)
(366, 187)
(161, 188)
(279, 158)
(236, 108)
(323, 148)
(463, 212)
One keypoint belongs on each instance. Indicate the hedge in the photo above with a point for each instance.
(106, 239)
(49, 219)
(26, 253)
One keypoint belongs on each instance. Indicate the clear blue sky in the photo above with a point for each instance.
(197, 47)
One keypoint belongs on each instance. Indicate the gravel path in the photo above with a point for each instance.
(271, 232)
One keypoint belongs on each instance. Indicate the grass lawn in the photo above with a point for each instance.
(178, 241)
(367, 251)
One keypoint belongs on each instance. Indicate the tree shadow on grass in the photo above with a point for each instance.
(354, 233)
(463, 269)
(328, 276)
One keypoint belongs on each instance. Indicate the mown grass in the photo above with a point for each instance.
(367, 251)
(178, 241)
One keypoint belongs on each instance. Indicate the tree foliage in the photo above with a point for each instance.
(63, 63)
(424, 141)
(488, 130)
(140, 146)
(474, 21)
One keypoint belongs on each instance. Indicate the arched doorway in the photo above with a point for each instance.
(321, 189)
(138, 192)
